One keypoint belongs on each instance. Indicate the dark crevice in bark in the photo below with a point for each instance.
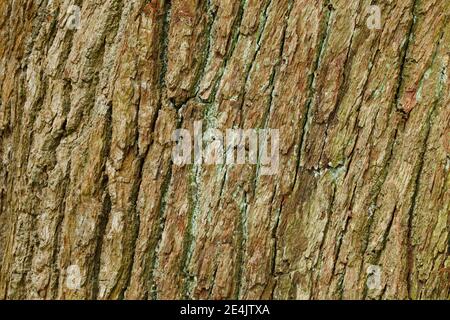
(358, 109)
(213, 283)
(271, 85)
(419, 169)
(235, 37)
(207, 52)
(152, 288)
(165, 42)
(102, 223)
(163, 58)
(132, 233)
(152, 292)
(189, 241)
(324, 35)
(194, 195)
(342, 90)
(274, 234)
(337, 253)
(57, 244)
(106, 207)
(380, 180)
(26, 140)
(249, 66)
(96, 62)
(264, 124)
(243, 238)
(405, 52)
(322, 242)
(263, 21)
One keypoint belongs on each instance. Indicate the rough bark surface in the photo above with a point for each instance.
(87, 179)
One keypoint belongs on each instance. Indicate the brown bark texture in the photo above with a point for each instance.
(92, 205)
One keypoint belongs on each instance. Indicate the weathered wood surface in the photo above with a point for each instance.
(87, 182)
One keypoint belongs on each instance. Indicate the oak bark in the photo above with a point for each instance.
(88, 185)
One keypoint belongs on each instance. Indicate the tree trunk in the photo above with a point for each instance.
(93, 206)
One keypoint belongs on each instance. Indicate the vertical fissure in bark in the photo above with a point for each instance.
(265, 122)
(243, 235)
(322, 242)
(206, 54)
(304, 125)
(163, 59)
(165, 42)
(234, 39)
(342, 90)
(271, 85)
(153, 290)
(261, 27)
(380, 180)
(189, 241)
(242, 229)
(274, 236)
(150, 266)
(419, 167)
(405, 51)
(106, 207)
